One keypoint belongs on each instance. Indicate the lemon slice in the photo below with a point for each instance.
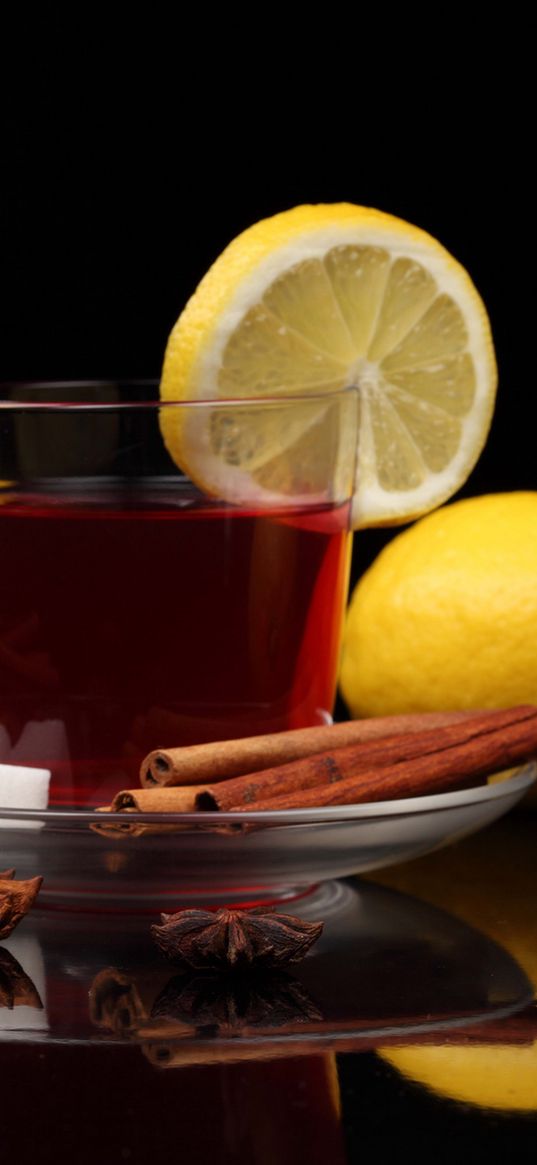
(317, 299)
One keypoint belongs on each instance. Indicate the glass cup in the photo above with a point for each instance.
(140, 610)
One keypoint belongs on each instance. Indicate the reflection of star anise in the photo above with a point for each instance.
(230, 1003)
(235, 938)
(204, 1003)
(16, 898)
(16, 988)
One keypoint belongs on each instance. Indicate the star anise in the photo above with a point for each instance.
(235, 938)
(16, 988)
(16, 899)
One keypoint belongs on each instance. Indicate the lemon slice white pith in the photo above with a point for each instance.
(323, 297)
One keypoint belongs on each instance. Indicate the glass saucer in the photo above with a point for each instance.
(207, 858)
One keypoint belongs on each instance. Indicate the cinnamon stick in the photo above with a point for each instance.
(147, 801)
(332, 768)
(195, 764)
(453, 767)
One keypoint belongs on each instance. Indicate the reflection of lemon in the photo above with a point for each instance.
(497, 1077)
(488, 883)
(447, 615)
(319, 298)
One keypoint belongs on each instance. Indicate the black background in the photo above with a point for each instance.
(132, 154)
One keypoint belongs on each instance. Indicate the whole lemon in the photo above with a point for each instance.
(446, 617)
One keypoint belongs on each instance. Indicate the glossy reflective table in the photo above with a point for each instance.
(410, 1025)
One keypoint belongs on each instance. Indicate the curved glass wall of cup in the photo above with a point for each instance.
(172, 573)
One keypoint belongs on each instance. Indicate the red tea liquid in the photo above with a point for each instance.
(141, 617)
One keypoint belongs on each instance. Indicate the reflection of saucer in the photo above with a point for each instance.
(386, 965)
(22, 986)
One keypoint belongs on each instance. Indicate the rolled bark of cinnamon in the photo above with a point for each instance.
(331, 769)
(147, 801)
(223, 759)
(453, 767)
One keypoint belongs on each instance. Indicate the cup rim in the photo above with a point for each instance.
(151, 383)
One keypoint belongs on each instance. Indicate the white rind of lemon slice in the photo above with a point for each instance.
(317, 299)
